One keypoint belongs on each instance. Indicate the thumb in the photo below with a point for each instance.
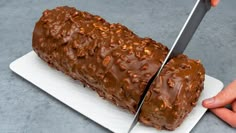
(226, 96)
(214, 3)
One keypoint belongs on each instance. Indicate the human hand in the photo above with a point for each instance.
(216, 104)
(214, 3)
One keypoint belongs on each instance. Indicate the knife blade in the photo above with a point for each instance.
(186, 33)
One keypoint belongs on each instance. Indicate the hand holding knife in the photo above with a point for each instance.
(198, 12)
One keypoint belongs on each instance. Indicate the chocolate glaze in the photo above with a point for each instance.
(173, 94)
(115, 62)
(109, 58)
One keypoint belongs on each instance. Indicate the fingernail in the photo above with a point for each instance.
(209, 101)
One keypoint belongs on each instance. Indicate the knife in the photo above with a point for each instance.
(194, 19)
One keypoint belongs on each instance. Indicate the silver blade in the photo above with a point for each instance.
(198, 12)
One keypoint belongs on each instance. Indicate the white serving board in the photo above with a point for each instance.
(88, 103)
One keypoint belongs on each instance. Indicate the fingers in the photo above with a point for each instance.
(214, 3)
(226, 96)
(234, 106)
(227, 115)
(217, 103)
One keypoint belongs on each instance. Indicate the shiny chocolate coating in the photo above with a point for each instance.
(108, 58)
(173, 94)
(114, 62)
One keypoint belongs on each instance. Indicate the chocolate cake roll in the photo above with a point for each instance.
(108, 58)
(173, 94)
(117, 64)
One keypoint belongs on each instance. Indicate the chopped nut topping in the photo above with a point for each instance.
(106, 61)
(148, 52)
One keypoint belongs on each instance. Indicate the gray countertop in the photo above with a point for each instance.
(24, 108)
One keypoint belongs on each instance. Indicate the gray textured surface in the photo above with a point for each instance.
(25, 108)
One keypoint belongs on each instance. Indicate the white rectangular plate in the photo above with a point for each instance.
(88, 103)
